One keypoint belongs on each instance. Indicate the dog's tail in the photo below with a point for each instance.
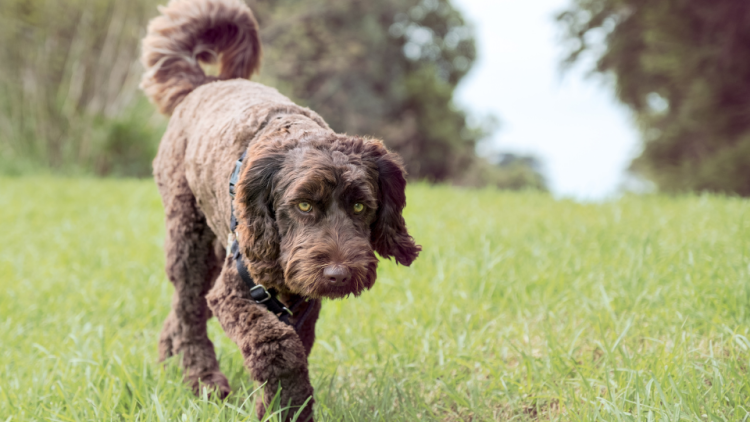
(189, 31)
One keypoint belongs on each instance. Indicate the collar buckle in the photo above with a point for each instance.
(257, 293)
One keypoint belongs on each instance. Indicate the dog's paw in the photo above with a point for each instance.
(215, 382)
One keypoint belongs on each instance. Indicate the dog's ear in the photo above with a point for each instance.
(256, 220)
(388, 233)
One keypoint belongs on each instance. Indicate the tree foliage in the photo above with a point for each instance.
(682, 67)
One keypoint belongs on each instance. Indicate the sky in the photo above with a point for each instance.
(583, 136)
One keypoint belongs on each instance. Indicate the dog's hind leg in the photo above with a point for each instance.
(273, 352)
(192, 265)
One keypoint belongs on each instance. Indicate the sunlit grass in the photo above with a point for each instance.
(520, 307)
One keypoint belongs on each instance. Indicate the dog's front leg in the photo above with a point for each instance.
(273, 351)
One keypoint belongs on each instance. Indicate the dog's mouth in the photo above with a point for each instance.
(318, 278)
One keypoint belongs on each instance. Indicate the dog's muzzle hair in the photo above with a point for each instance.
(333, 262)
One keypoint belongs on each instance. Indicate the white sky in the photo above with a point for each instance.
(584, 138)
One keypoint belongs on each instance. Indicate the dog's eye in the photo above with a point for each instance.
(304, 206)
(358, 208)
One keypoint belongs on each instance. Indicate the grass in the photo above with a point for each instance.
(519, 308)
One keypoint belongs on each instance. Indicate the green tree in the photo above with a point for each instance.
(682, 67)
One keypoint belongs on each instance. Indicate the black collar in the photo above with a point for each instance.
(259, 293)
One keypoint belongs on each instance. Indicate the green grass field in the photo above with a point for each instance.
(519, 308)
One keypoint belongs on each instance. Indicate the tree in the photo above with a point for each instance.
(682, 67)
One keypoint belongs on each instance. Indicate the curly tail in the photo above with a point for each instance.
(189, 31)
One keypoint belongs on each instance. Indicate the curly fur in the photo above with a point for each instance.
(189, 32)
(292, 156)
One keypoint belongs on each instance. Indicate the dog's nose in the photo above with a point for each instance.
(336, 274)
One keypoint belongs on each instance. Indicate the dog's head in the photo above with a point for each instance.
(312, 213)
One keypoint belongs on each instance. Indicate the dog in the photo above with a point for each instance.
(311, 207)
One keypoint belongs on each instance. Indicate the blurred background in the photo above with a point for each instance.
(584, 98)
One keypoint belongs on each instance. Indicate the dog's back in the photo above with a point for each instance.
(211, 129)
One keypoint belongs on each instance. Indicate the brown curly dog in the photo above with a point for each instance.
(312, 206)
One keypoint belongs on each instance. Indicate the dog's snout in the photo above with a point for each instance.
(336, 274)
